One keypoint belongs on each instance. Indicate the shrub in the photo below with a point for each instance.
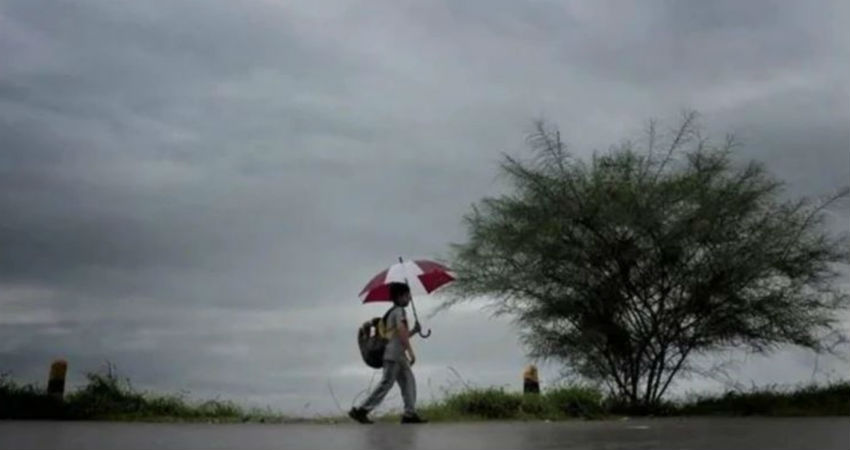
(27, 402)
(105, 395)
(490, 403)
(538, 406)
(576, 401)
(833, 399)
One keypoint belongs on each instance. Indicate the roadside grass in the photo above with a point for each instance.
(493, 403)
(806, 400)
(109, 397)
(584, 402)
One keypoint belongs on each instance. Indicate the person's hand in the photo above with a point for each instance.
(416, 329)
(411, 358)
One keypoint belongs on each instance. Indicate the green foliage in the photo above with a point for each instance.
(537, 406)
(109, 397)
(491, 403)
(498, 404)
(811, 400)
(568, 402)
(626, 265)
(577, 401)
(106, 395)
(27, 402)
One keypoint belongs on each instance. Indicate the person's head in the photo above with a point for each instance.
(400, 294)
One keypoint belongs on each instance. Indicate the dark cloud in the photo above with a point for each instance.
(196, 192)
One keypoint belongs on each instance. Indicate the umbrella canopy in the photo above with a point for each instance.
(423, 276)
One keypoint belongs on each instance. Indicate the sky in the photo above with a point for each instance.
(196, 191)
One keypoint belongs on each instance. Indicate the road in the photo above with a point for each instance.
(645, 434)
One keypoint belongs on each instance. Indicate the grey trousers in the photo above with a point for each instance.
(394, 371)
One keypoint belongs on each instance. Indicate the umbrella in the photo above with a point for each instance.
(421, 275)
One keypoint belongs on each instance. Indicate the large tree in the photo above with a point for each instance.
(627, 265)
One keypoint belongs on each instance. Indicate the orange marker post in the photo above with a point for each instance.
(56, 382)
(530, 381)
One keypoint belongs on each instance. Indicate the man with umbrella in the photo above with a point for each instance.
(392, 284)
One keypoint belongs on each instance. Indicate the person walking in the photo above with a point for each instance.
(398, 360)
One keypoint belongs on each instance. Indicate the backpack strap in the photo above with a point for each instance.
(387, 314)
(382, 325)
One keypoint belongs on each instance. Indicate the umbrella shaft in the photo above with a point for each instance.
(413, 307)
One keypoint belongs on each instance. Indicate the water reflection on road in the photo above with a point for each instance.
(694, 434)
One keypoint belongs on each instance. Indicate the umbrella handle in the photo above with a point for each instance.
(416, 318)
(420, 333)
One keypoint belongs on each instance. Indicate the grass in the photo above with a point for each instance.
(808, 400)
(27, 402)
(559, 403)
(109, 397)
(579, 401)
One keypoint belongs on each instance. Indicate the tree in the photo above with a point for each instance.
(626, 266)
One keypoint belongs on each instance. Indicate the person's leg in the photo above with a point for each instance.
(388, 378)
(407, 383)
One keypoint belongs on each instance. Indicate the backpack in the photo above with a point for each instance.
(372, 339)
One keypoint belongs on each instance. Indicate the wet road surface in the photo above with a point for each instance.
(683, 433)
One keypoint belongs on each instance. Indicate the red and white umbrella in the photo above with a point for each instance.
(423, 277)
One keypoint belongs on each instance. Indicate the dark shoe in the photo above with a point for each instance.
(360, 415)
(413, 419)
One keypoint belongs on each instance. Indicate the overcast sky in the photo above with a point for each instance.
(197, 190)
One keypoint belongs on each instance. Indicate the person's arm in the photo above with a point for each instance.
(404, 335)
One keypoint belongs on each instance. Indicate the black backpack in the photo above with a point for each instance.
(371, 337)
